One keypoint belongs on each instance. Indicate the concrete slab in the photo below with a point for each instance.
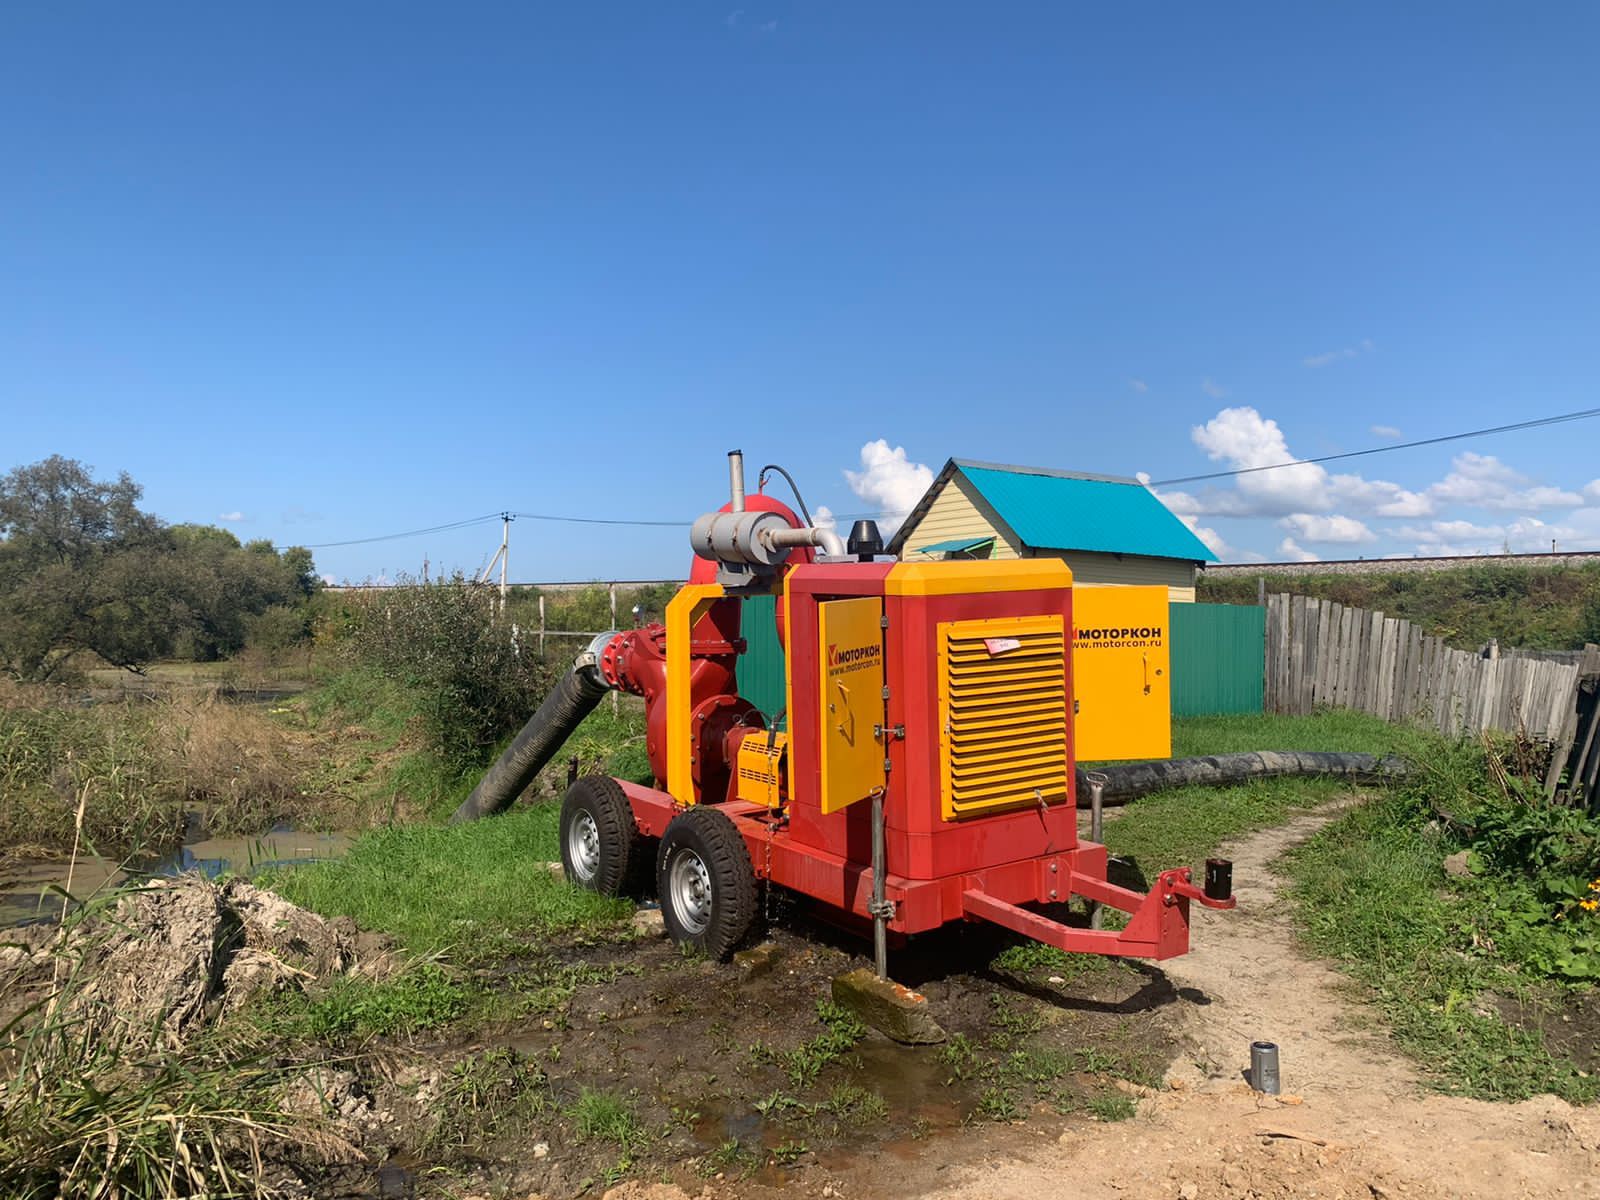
(888, 1007)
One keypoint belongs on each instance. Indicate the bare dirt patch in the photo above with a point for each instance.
(1355, 1123)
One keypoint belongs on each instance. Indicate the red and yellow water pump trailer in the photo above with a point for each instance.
(923, 771)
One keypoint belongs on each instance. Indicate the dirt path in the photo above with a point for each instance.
(1354, 1123)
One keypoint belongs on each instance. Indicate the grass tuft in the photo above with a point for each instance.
(474, 891)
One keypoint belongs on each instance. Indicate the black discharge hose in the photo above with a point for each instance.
(563, 710)
(1126, 782)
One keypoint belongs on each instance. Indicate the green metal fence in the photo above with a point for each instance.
(1218, 658)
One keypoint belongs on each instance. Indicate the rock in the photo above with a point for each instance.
(886, 1006)
(541, 1149)
(1188, 1191)
(757, 960)
(648, 923)
(1458, 865)
(556, 870)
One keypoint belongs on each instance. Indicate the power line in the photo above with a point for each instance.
(389, 537)
(601, 520)
(1580, 415)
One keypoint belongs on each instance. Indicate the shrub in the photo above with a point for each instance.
(474, 680)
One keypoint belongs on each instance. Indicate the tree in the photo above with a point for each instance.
(77, 570)
(82, 568)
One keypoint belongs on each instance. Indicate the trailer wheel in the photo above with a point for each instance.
(705, 881)
(601, 846)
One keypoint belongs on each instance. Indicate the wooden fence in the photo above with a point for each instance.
(1322, 653)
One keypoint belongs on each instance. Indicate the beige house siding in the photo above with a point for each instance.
(960, 511)
(1175, 574)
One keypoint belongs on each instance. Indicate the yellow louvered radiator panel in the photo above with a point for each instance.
(1002, 714)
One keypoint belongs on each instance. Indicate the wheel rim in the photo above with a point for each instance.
(690, 890)
(583, 845)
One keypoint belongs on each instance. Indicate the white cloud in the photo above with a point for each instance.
(1483, 481)
(1386, 431)
(1314, 528)
(890, 482)
(1525, 535)
(1214, 541)
(1291, 551)
(1215, 390)
(1591, 490)
(1139, 385)
(1329, 357)
(1378, 496)
(1242, 438)
(231, 516)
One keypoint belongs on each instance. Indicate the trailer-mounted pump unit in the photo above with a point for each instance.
(923, 770)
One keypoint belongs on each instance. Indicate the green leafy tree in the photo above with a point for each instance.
(82, 568)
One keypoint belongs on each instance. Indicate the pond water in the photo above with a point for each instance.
(30, 890)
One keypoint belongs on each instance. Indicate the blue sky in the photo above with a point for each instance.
(328, 272)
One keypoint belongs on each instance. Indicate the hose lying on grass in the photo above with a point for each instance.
(1126, 782)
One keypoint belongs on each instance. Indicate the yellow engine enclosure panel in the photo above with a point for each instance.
(1002, 714)
(851, 637)
(1122, 673)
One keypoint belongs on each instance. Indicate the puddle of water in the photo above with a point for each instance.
(27, 889)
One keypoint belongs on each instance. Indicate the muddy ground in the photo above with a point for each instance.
(621, 1065)
(734, 1079)
(1357, 1120)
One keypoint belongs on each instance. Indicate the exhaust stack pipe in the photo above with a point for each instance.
(736, 479)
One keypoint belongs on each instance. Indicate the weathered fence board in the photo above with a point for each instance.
(1319, 653)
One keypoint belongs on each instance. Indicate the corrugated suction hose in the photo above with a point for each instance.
(1124, 783)
(563, 710)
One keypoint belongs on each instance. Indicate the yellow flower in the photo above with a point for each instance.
(1589, 905)
(1595, 886)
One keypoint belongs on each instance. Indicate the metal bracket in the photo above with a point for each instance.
(886, 909)
(881, 732)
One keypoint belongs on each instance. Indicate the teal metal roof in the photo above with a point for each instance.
(956, 545)
(1055, 511)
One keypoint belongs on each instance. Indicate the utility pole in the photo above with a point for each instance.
(501, 556)
(505, 556)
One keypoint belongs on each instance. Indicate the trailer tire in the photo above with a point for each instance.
(705, 881)
(601, 846)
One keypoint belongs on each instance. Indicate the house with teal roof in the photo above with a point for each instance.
(1109, 530)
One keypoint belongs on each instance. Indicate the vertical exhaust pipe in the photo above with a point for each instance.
(736, 478)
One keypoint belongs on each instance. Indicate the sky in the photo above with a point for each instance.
(325, 273)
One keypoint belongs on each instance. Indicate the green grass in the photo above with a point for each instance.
(607, 1117)
(1370, 893)
(1112, 1107)
(352, 1008)
(841, 1031)
(1331, 729)
(1183, 826)
(472, 892)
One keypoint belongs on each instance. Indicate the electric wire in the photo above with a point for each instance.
(389, 537)
(1536, 423)
(761, 483)
(601, 520)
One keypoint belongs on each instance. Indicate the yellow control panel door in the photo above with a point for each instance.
(850, 633)
(1121, 673)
